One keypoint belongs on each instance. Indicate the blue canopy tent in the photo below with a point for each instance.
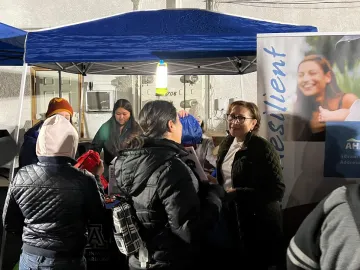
(11, 45)
(192, 41)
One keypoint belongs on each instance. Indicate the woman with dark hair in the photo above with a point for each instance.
(319, 99)
(114, 134)
(165, 193)
(249, 169)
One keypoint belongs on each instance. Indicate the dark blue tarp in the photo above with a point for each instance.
(11, 45)
(142, 36)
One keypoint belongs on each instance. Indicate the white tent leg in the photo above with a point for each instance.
(21, 104)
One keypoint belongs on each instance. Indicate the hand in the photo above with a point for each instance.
(99, 169)
(212, 179)
(315, 124)
(183, 113)
(323, 114)
(231, 194)
(230, 190)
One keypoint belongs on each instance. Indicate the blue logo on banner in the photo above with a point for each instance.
(342, 150)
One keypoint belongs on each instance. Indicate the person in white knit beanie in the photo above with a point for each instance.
(57, 137)
(51, 203)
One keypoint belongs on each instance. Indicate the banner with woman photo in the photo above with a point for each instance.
(309, 93)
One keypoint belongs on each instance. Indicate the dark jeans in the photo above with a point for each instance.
(184, 265)
(30, 262)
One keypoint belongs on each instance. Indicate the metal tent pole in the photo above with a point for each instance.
(60, 90)
(82, 97)
(136, 4)
(172, 4)
(242, 87)
(209, 6)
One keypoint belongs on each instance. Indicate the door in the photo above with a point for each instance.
(46, 86)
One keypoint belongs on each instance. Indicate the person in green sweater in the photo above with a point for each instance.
(114, 134)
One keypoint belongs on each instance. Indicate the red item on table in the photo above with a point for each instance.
(89, 161)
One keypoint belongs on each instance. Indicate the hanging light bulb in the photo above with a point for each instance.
(161, 79)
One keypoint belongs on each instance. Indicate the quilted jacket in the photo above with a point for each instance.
(173, 216)
(51, 203)
(255, 212)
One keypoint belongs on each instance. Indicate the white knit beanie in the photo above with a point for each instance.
(57, 137)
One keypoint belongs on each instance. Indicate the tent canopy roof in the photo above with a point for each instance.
(194, 41)
(11, 45)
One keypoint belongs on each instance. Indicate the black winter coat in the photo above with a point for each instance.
(51, 203)
(255, 212)
(172, 216)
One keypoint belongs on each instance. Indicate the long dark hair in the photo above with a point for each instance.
(153, 120)
(116, 142)
(306, 105)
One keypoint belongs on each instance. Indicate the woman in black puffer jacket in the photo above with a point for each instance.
(172, 217)
(249, 168)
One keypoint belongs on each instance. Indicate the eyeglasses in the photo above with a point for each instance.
(236, 118)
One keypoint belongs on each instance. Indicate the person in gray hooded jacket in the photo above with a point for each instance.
(329, 238)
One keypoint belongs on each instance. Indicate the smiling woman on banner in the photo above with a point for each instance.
(116, 132)
(319, 99)
(249, 169)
